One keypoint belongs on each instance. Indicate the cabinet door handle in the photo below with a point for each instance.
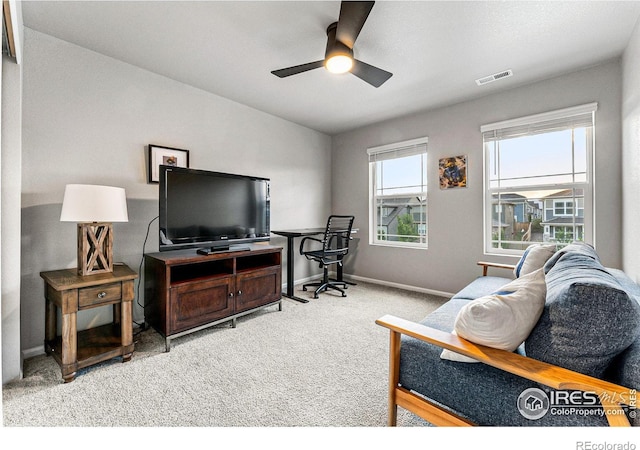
(239, 292)
(102, 294)
(230, 294)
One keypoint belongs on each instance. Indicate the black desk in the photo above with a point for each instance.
(291, 235)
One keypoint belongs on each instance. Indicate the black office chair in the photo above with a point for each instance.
(335, 245)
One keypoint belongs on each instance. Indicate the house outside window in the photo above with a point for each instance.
(539, 180)
(398, 194)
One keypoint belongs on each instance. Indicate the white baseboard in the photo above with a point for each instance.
(33, 351)
(406, 287)
(301, 281)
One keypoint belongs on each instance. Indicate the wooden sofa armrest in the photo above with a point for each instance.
(610, 394)
(485, 266)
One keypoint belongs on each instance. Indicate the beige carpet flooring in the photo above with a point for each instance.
(320, 364)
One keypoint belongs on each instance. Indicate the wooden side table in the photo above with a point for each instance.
(70, 292)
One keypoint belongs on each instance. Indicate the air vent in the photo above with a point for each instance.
(494, 77)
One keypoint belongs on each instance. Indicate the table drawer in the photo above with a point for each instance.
(98, 295)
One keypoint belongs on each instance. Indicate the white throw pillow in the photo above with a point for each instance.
(503, 319)
(533, 258)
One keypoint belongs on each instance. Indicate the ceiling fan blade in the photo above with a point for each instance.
(297, 69)
(353, 15)
(372, 75)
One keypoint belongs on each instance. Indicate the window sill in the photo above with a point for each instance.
(401, 246)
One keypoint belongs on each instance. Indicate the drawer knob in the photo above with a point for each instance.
(102, 294)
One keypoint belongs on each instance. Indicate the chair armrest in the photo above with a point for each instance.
(485, 266)
(306, 239)
(611, 395)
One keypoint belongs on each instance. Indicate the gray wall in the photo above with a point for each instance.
(456, 216)
(10, 175)
(88, 119)
(631, 155)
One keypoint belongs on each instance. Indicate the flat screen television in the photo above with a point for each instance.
(212, 211)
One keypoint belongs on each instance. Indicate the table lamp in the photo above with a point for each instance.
(94, 208)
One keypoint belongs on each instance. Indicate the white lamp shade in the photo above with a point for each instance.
(92, 203)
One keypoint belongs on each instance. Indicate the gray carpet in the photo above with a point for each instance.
(320, 364)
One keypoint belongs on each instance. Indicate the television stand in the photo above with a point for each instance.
(186, 291)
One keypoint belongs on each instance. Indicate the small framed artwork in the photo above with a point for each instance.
(165, 156)
(453, 172)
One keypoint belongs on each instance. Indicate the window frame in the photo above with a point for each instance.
(584, 206)
(374, 226)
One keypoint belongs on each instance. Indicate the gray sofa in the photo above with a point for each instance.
(582, 353)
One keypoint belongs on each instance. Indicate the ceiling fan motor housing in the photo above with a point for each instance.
(335, 47)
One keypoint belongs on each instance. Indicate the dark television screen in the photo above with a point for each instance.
(199, 208)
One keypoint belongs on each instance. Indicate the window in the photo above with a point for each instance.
(563, 208)
(539, 180)
(398, 194)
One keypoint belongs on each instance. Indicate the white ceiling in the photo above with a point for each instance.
(435, 49)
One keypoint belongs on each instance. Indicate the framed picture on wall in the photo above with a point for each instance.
(165, 156)
(453, 172)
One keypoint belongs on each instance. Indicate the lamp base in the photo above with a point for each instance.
(95, 248)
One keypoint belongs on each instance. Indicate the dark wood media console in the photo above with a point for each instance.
(186, 292)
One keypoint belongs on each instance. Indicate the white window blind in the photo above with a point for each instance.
(403, 149)
(564, 119)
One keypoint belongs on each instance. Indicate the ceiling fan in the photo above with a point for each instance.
(341, 37)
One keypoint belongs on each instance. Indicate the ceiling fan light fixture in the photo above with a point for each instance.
(339, 63)
(338, 56)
